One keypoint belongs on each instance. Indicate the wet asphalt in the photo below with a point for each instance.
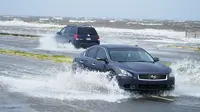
(164, 53)
(19, 102)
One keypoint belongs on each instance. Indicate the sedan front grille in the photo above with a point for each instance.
(152, 77)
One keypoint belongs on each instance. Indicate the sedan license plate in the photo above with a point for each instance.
(88, 38)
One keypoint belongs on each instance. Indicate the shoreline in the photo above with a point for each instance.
(112, 23)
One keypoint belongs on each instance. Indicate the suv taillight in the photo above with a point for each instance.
(98, 37)
(76, 36)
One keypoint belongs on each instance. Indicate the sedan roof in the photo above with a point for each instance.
(118, 46)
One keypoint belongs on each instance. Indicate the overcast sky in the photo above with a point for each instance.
(136, 9)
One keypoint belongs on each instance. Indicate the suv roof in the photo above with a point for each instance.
(84, 29)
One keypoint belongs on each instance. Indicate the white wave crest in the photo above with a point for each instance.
(21, 23)
(150, 32)
(82, 21)
(152, 35)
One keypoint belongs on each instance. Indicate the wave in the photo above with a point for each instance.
(82, 21)
(21, 23)
(153, 35)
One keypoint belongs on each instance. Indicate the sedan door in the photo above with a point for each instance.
(80, 62)
(100, 65)
(90, 57)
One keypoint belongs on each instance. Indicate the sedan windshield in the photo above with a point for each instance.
(129, 55)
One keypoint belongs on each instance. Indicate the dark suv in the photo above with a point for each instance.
(81, 36)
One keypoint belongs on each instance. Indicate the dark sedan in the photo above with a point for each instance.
(134, 67)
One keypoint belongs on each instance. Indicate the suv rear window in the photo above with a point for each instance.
(86, 30)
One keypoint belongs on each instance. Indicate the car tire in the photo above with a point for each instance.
(84, 47)
(77, 47)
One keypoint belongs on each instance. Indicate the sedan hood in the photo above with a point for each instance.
(145, 67)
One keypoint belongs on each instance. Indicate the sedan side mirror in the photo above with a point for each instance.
(156, 59)
(102, 59)
(58, 33)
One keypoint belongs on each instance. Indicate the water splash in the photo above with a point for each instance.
(84, 85)
(187, 73)
(89, 85)
(48, 42)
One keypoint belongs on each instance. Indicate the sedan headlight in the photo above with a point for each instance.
(124, 73)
